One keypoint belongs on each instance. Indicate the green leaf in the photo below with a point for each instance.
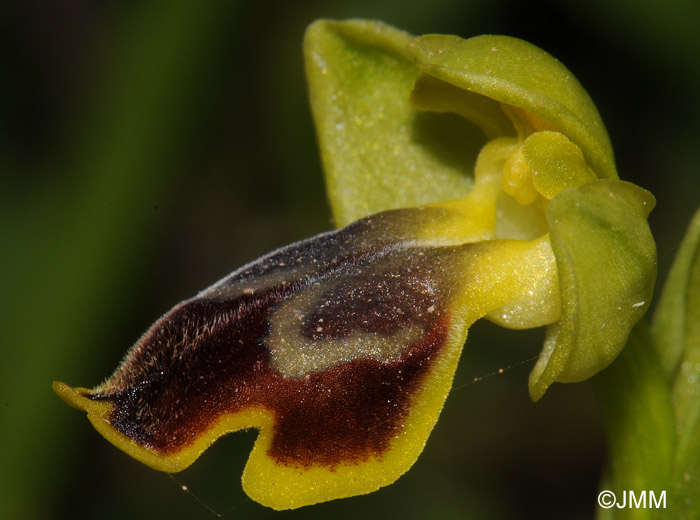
(606, 259)
(669, 327)
(379, 152)
(636, 405)
(520, 75)
(676, 331)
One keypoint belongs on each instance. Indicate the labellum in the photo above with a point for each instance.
(341, 349)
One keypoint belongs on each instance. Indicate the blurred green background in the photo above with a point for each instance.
(149, 148)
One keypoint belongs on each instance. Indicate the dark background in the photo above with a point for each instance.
(149, 148)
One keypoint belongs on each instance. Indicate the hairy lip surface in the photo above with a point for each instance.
(210, 357)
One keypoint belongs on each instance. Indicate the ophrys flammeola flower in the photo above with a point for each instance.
(341, 349)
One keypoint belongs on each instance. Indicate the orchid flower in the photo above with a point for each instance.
(471, 179)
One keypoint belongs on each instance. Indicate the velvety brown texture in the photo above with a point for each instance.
(207, 358)
(376, 302)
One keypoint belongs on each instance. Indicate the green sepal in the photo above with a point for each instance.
(519, 74)
(606, 262)
(378, 151)
(434, 95)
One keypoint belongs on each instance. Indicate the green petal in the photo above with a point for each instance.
(606, 259)
(520, 75)
(378, 151)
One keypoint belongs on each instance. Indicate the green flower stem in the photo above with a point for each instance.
(636, 404)
(650, 397)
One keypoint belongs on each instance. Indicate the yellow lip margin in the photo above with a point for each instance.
(286, 487)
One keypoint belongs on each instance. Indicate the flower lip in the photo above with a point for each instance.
(341, 349)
